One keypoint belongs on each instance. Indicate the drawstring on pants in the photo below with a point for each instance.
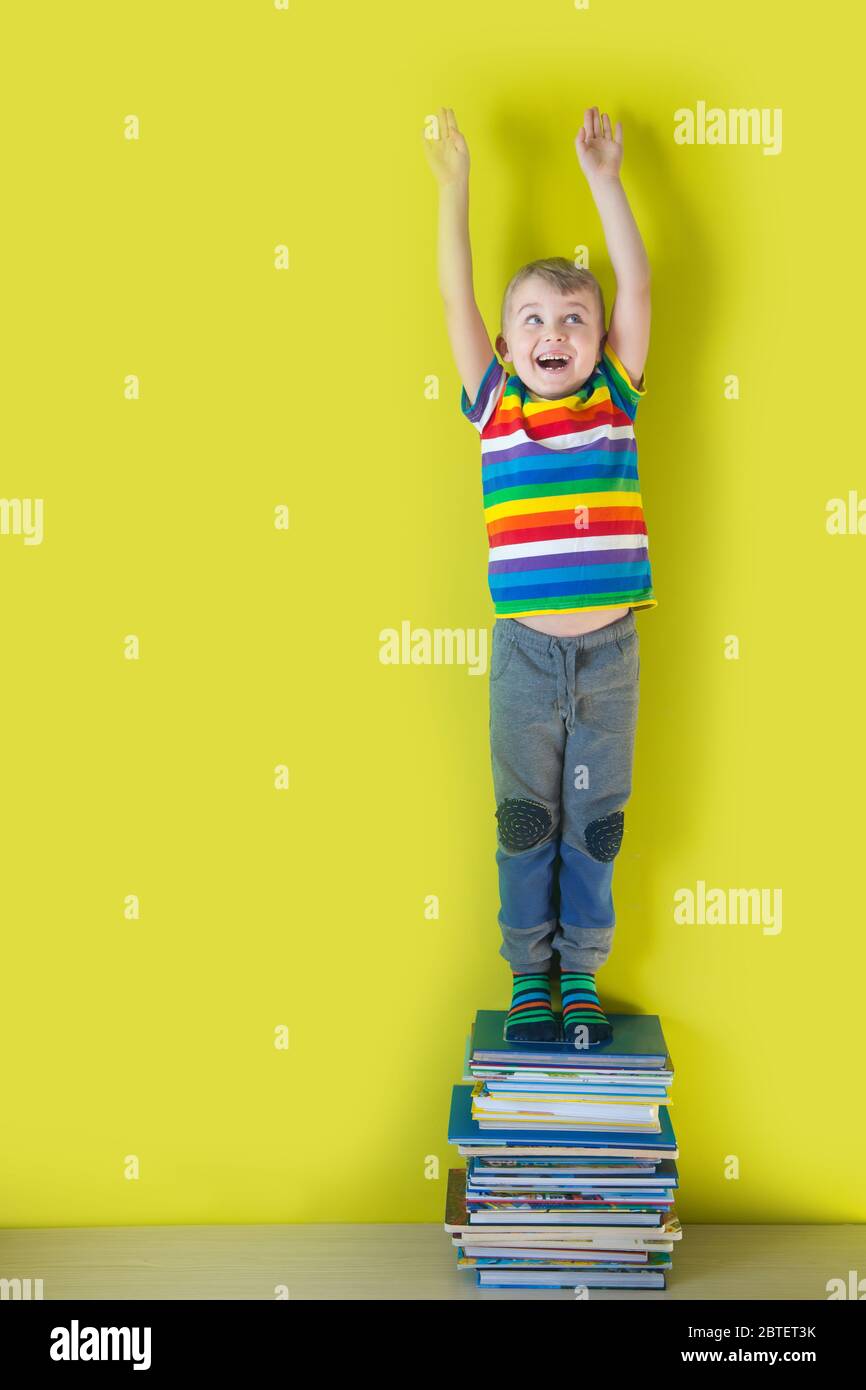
(565, 661)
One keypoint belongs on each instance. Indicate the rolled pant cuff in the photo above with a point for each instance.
(528, 948)
(582, 948)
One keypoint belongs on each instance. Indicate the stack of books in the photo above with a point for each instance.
(570, 1173)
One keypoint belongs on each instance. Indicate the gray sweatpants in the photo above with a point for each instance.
(563, 714)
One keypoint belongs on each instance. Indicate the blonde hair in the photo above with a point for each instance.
(563, 274)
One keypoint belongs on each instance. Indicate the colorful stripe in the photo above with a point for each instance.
(530, 1018)
(561, 494)
(581, 1006)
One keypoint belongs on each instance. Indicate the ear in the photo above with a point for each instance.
(502, 348)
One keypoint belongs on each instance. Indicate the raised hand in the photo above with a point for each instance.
(599, 152)
(448, 155)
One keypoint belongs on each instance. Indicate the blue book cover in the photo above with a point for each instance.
(637, 1041)
(561, 1279)
(462, 1129)
(661, 1171)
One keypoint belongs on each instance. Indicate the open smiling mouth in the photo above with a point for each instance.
(553, 361)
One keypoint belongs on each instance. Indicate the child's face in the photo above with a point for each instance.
(542, 320)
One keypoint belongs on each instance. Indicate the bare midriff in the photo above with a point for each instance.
(573, 624)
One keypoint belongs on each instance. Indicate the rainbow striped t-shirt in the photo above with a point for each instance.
(562, 501)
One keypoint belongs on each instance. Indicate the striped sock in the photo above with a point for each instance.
(581, 1008)
(530, 1018)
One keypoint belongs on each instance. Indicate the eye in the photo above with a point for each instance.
(529, 317)
(575, 315)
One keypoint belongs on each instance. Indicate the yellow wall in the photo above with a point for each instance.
(260, 387)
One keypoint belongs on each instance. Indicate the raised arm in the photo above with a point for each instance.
(600, 156)
(448, 157)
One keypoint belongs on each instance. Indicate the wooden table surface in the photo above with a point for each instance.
(397, 1262)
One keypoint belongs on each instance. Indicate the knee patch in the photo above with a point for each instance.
(522, 823)
(604, 836)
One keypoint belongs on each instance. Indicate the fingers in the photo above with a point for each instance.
(597, 126)
(444, 120)
(591, 123)
(447, 132)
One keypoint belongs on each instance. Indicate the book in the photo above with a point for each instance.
(463, 1130)
(570, 1175)
(559, 1107)
(637, 1042)
(558, 1175)
(562, 1279)
(666, 1230)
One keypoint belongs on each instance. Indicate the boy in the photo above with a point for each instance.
(568, 565)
